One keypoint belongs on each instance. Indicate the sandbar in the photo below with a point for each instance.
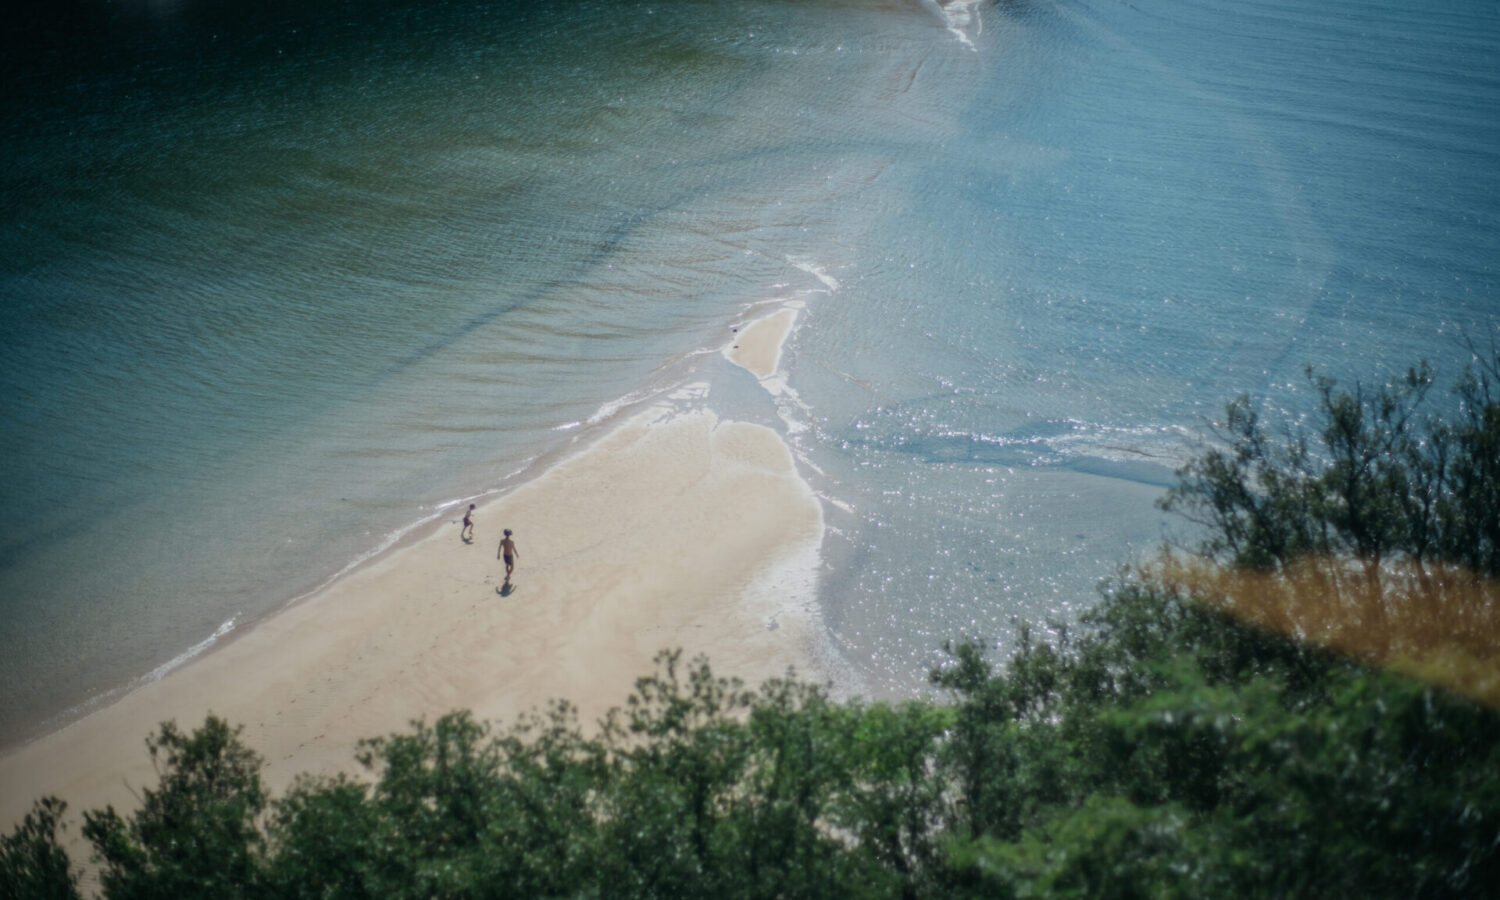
(675, 530)
(757, 347)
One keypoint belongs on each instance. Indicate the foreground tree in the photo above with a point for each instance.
(1377, 536)
(195, 835)
(1180, 751)
(1382, 480)
(33, 866)
(1170, 750)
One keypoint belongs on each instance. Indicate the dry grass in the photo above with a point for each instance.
(1440, 624)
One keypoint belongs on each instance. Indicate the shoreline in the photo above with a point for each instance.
(672, 529)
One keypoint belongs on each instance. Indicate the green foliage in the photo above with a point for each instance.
(1381, 479)
(717, 792)
(323, 834)
(1106, 848)
(33, 866)
(1244, 764)
(1168, 751)
(195, 835)
(453, 812)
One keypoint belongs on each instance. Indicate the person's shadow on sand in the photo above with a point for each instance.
(506, 589)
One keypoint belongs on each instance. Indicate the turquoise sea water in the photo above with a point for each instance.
(279, 285)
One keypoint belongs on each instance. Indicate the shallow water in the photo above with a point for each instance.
(281, 286)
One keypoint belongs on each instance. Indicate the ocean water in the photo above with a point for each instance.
(280, 285)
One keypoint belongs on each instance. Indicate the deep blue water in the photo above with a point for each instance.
(278, 285)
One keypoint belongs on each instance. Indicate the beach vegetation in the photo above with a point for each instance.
(1375, 534)
(1235, 720)
(196, 834)
(33, 864)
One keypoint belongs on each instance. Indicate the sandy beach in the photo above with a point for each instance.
(676, 529)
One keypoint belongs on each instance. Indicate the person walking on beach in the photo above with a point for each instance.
(508, 552)
(467, 532)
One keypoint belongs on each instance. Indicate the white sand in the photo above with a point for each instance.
(676, 530)
(672, 531)
(758, 345)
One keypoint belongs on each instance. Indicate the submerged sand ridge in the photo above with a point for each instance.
(677, 529)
